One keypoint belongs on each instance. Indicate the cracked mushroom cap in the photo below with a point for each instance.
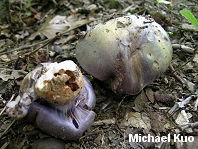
(66, 121)
(131, 51)
(60, 82)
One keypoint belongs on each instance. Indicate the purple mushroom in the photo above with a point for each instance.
(130, 51)
(58, 98)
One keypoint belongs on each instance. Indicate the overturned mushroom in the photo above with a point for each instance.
(58, 98)
(131, 51)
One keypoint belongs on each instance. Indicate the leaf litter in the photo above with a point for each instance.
(58, 24)
(169, 105)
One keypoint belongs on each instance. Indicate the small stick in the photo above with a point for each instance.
(23, 47)
(50, 40)
(5, 106)
(46, 42)
(176, 76)
(120, 103)
(190, 60)
(7, 128)
(104, 122)
(192, 125)
(183, 48)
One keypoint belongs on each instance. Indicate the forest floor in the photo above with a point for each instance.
(153, 111)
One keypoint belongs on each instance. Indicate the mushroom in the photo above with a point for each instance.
(58, 98)
(130, 51)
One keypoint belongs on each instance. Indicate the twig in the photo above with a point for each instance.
(183, 48)
(190, 60)
(51, 39)
(54, 2)
(5, 106)
(192, 125)
(5, 145)
(11, 122)
(176, 76)
(120, 103)
(173, 110)
(46, 42)
(104, 122)
(23, 47)
(69, 38)
(4, 132)
(179, 105)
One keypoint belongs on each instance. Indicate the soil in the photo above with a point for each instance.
(167, 106)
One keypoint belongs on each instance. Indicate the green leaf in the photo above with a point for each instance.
(164, 2)
(27, 14)
(190, 17)
(28, 4)
(170, 33)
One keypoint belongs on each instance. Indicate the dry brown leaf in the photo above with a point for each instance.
(56, 25)
(183, 118)
(42, 55)
(138, 120)
(164, 97)
(194, 144)
(158, 121)
(4, 58)
(98, 139)
(7, 74)
(140, 101)
(149, 94)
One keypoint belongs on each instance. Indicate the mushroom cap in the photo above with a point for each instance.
(60, 82)
(131, 51)
(66, 121)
